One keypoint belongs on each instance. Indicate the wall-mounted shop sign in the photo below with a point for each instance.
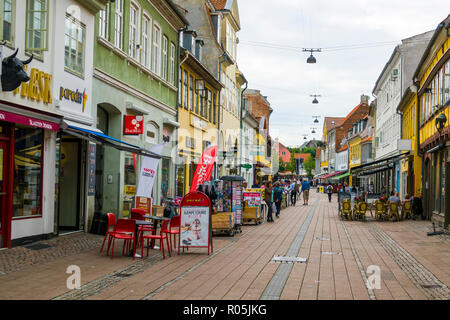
(39, 87)
(74, 96)
(91, 169)
(133, 125)
(32, 122)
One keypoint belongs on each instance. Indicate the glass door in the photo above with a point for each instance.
(3, 194)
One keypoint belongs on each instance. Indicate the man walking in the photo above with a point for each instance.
(293, 193)
(330, 192)
(268, 200)
(305, 190)
(278, 197)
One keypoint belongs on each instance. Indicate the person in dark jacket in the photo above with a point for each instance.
(278, 197)
(268, 200)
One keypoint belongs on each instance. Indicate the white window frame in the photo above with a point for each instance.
(156, 49)
(118, 24)
(103, 23)
(2, 19)
(74, 23)
(146, 54)
(134, 35)
(165, 44)
(172, 64)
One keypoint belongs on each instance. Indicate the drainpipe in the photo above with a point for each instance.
(242, 112)
(219, 110)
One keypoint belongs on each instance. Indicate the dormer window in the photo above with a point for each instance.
(189, 38)
(198, 49)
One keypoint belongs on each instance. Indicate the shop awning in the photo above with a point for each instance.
(331, 175)
(342, 176)
(101, 138)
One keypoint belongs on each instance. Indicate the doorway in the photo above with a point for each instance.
(3, 194)
(70, 182)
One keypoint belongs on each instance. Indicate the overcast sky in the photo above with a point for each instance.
(271, 32)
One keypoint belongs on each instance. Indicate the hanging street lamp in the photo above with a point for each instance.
(311, 58)
(316, 121)
(315, 101)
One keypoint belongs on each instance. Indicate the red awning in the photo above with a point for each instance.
(32, 122)
(332, 174)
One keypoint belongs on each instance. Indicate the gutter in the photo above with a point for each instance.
(219, 109)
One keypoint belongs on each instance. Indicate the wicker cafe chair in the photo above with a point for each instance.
(407, 210)
(393, 210)
(379, 210)
(346, 210)
(361, 212)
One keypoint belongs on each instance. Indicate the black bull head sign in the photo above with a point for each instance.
(13, 73)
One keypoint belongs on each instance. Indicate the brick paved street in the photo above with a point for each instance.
(338, 253)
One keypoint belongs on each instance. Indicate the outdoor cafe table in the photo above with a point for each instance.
(146, 223)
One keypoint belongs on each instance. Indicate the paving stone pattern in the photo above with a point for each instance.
(419, 275)
(18, 258)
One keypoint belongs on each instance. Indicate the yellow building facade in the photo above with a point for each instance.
(433, 99)
(354, 155)
(198, 116)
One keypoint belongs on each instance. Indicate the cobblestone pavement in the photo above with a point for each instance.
(338, 258)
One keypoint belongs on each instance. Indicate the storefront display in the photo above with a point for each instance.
(27, 171)
(230, 198)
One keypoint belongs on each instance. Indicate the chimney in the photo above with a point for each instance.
(364, 99)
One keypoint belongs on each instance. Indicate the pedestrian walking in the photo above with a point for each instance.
(305, 190)
(329, 192)
(296, 190)
(268, 200)
(278, 197)
(293, 193)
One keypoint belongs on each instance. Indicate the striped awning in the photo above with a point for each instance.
(331, 175)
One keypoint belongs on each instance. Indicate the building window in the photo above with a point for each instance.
(74, 46)
(28, 159)
(118, 26)
(446, 84)
(209, 106)
(7, 20)
(156, 63)
(146, 33)
(37, 27)
(103, 24)
(134, 32)
(201, 101)
(165, 177)
(191, 93)
(185, 90)
(172, 64)
(164, 57)
(196, 104)
(214, 108)
(130, 170)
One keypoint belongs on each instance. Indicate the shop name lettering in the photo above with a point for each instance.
(40, 124)
(2, 117)
(75, 96)
(148, 172)
(38, 88)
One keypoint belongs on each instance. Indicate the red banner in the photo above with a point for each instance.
(133, 125)
(17, 118)
(204, 167)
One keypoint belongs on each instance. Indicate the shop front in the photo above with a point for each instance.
(27, 155)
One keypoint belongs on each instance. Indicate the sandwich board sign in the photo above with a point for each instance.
(195, 221)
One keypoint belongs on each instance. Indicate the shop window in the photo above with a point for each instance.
(7, 20)
(74, 46)
(37, 27)
(181, 179)
(27, 198)
(165, 176)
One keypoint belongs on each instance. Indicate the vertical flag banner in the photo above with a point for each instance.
(147, 174)
(204, 167)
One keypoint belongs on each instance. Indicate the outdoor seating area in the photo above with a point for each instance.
(140, 228)
(380, 209)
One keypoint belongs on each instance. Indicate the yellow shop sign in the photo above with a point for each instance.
(39, 87)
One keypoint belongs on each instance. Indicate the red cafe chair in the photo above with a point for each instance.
(161, 236)
(109, 229)
(138, 214)
(124, 230)
(174, 229)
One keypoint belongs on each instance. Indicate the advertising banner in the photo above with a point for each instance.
(149, 167)
(253, 198)
(133, 125)
(204, 167)
(91, 169)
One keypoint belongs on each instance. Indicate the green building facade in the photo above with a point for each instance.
(135, 73)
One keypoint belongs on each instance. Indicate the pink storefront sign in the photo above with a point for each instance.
(32, 122)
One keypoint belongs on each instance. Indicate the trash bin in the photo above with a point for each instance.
(99, 223)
